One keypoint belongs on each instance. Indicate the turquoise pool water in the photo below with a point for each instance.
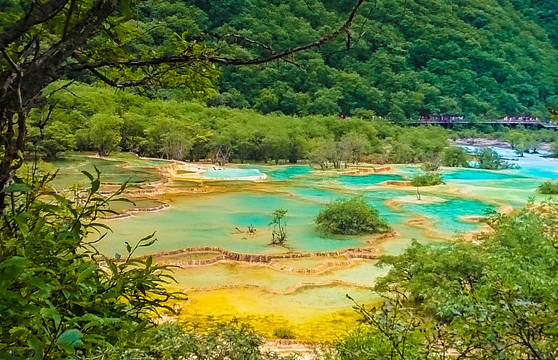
(222, 218)
(232, 173)
(475, 175)
(534, 165)
(212, 220)
(367, 180)
(283, 172)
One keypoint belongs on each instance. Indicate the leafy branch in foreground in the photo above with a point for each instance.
(60, 297)
(231, 341)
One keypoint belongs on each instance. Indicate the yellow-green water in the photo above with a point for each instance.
(262, 294)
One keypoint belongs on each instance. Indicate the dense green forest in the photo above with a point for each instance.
(99, 118)
(481, 58)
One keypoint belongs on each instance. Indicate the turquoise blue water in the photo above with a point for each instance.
(231, 173)
(287, 172)
(529, 164)
(211, 220)
(474, 175)
(446, 214)
(367, 180)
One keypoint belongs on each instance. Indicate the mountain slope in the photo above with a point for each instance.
(482, 58)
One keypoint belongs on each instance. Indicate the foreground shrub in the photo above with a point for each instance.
(427, 179)
(492, 299)
(56, 301)
(230, 341)
(350, 217)
(548, 188)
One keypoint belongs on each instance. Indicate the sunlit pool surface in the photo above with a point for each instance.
(222, 218)
(232, 174)
(281, 172)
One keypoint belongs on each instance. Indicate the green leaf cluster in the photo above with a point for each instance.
(548, 188)
(177, 341)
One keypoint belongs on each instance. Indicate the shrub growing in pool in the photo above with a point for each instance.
(350, 217)
(491, 160)
(455, 157)
(548, 187)
(427, 179)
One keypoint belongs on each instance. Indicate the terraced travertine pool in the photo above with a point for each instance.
(302, 285)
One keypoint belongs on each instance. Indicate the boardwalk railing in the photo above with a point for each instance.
(508, 120)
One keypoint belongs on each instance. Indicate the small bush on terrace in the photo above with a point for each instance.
(548, 188)
(427, 179)
(350, 217)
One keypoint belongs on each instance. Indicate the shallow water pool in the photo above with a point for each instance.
(222, 218)
(231, 173)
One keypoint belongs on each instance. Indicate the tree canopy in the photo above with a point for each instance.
(478, 58)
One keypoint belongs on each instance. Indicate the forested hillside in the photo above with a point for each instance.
(98, 118)
(483, 58)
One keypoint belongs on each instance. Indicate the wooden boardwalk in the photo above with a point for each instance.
(510, 121)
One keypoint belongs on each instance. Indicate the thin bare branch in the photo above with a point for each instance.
(240, 38)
